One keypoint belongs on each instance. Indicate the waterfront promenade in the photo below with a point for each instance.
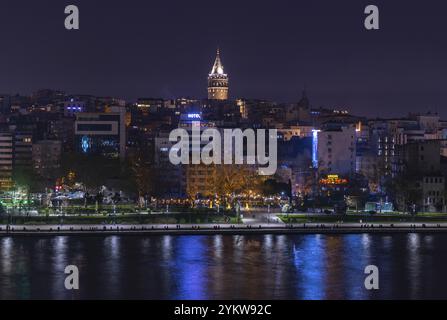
(206, 229)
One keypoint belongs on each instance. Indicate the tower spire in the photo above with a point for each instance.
(217, 67)
(218, 80)
(304, 102)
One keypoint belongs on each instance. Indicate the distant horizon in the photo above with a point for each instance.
(312, 106)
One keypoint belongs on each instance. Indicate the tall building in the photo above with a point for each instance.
(23, 150)
(197, 175)
(218, 81)
(173, 182)
(6, 160)
(47, 157)
(421, 157)
(334, 150)
(420, 163)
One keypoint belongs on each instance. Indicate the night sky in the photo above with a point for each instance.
(270, 49)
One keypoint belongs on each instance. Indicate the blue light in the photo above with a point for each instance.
(194, 116)
(315, 148)
(310, 259)
(85, 144)
(357, 254)
(189, 268)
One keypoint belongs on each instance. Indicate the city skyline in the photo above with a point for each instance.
(143, 52)
(223, 155)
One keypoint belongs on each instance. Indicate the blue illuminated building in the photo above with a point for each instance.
(101, 133)
(315, 148)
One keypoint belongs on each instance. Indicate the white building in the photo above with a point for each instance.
(6, 160)
(335, 150)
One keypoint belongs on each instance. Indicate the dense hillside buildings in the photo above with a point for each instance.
(5, 104)
(39, 130)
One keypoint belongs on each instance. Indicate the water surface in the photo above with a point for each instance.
(225, 266)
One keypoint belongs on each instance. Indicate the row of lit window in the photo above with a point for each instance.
(434, 201)
(434, 180)
(218, 84)
(391, 153)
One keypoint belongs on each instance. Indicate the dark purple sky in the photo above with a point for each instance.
(271, 50)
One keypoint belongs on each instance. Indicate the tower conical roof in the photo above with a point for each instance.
(218, 67)
(304, 102)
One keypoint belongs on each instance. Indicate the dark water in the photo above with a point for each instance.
(225, 267)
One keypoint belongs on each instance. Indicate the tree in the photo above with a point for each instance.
(406, 191)
(228, 180)
(271, 187)
(357, 190)
(26, 178)
(92, 170)
(143, 174)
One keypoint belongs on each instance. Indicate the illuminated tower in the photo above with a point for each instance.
(217, 81)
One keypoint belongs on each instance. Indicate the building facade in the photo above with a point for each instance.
(101, 133)
(23, 150)
(47, 157)
(336, 150)
(6, 160)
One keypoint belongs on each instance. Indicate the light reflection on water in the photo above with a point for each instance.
(225, 267)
